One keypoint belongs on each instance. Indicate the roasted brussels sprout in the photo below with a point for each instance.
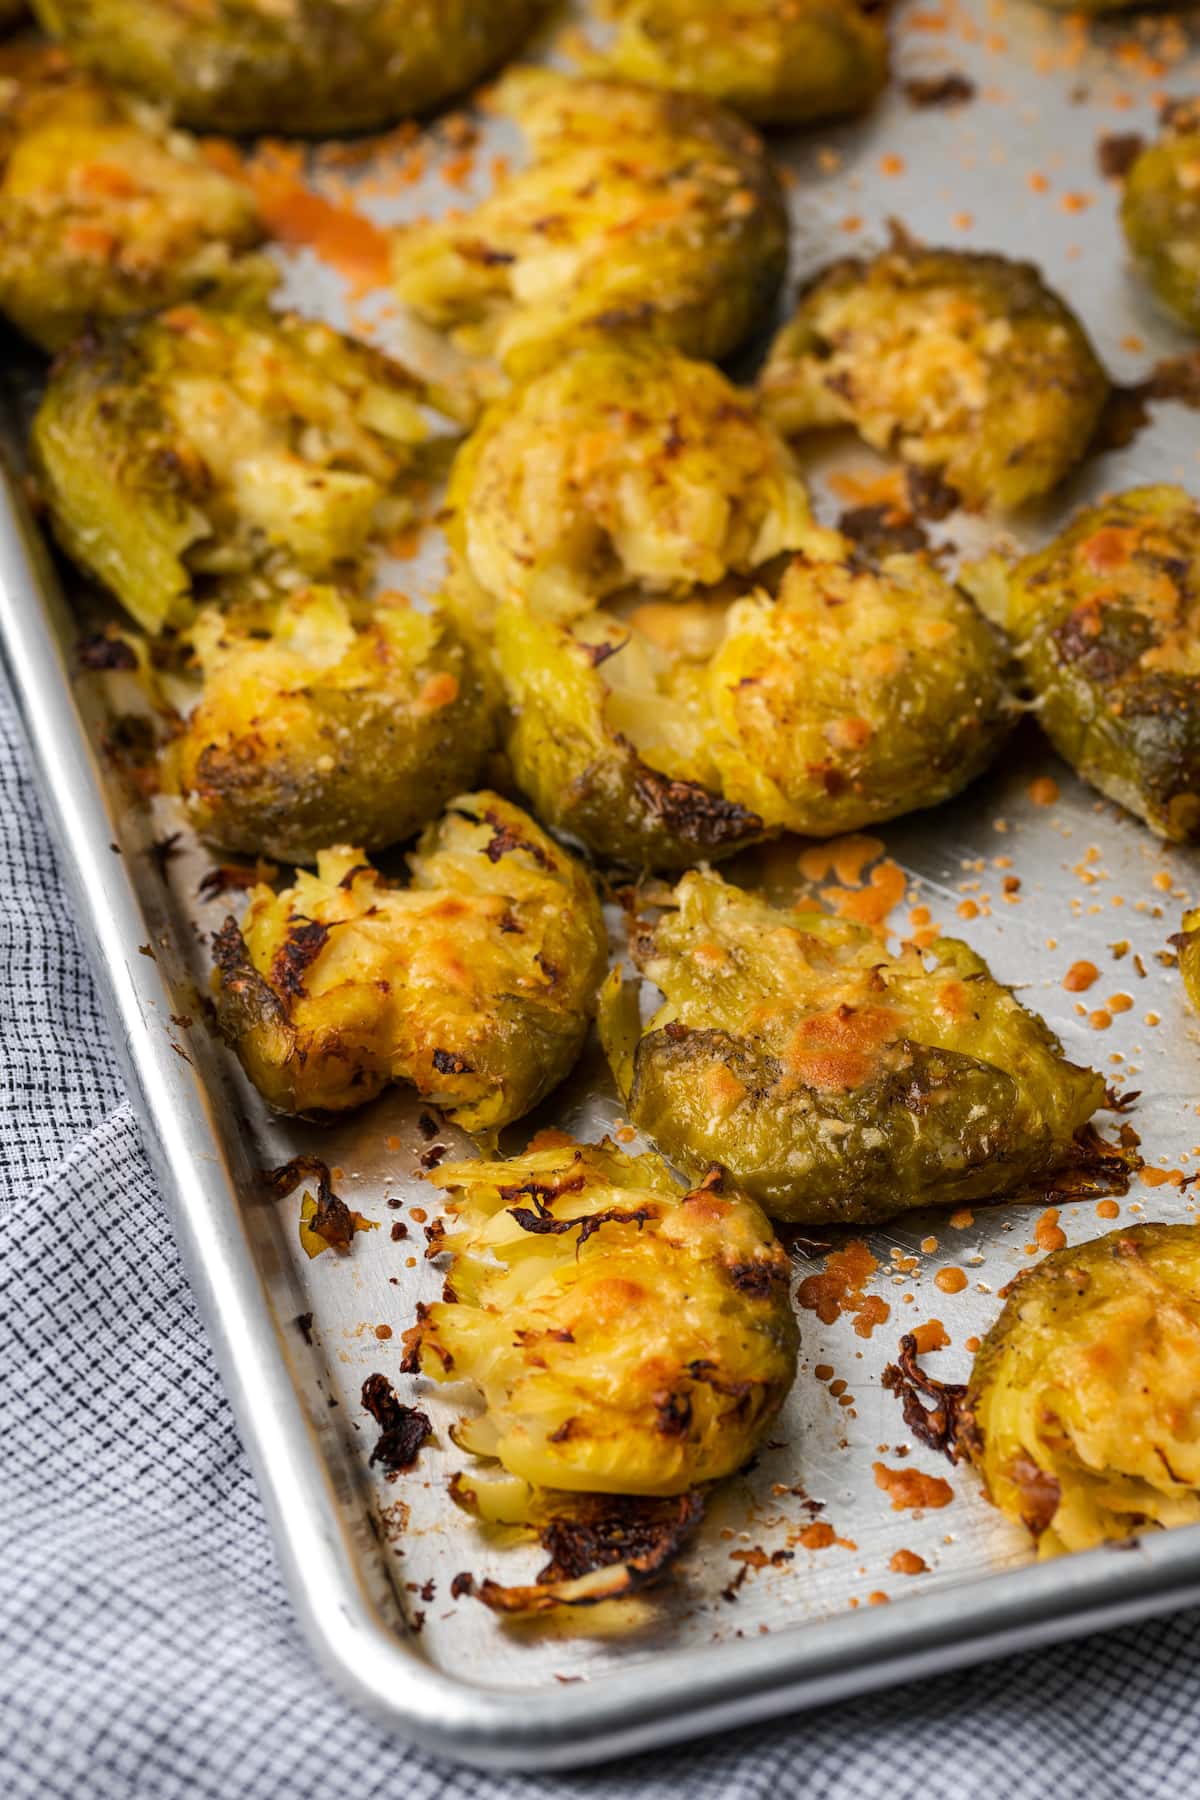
(681, 730)
(965, 366)
(627, 1336)
(1187, 945)
(103, 212)
(216, 445)
(624, 464)
(641, 209)
(837, 1083)
(1161, 212)
(331, 722)
(306, 67)
(1106, 623)
(474, 983)
(778, 62)
(1080, 1411)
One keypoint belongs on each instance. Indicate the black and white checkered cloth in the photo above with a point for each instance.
(146, 1646)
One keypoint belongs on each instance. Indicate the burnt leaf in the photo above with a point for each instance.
(402, 1429)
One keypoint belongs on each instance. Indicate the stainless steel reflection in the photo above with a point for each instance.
(370, 1564)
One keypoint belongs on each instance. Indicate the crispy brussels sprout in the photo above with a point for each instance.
(964, 365)
(641, 209)
(336, 723)
(474, 983)
(300, 67)
(682, 730)
(624, 464)
(219, 445)
(1080, 1412)
(837, 1083)
(778, 62)
(627, 1336)
(103, 212)
(1161, 213)
(1106, 623)
(1187, 945)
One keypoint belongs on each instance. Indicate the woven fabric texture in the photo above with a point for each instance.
(147, 1650)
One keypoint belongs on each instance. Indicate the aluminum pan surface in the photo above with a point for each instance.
(689, 1658)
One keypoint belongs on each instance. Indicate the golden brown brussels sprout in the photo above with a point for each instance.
(219, 445)
(1080, 1412)
(325, 721)
(1187, 944)
(627, 1336)
(965, 366)
(837, 1083)
(1107, 625)
(474, 983)
(623, 464)
(1161, 213)
(641, 209)
(682, 730)
(304, 67)
(778, 62)
(103, 212)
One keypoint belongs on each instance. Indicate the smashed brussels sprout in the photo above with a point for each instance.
(219, 445)
(778, 62)
(1187, 945)
(1081, 1411)
(334, 722)
(1161, 212)
(837, 1083)
(626, 464)
(641, 209)
(475, 982)
(1106, 621)
(298, 67)
(627, 1336)
(965, 366)
(104, 212)
(679, 730)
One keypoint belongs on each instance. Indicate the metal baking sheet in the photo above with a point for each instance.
(754, 1623)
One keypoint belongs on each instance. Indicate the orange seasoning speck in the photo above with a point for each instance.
(838, 1289)
(912, 1487)
(878, 1598)
(932, 1335)
(950, 1281)
(383, 1332)
(340, 234)
(1048, 1232)
(1080, 976)
(907, 1562)
(817, 1536)
(891, 164)
(962, 1218)
(1043, 791)
(1107, 1209)
(1099, 1020)
(971, 1345)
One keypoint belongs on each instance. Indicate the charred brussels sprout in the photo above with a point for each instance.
(207, 445)
(339, 722)
(475, 982)
(778, 62)
(837, 1083)
(303, 67)
(627, 1336)
(1080, 1412)
(624, 464)
(1161, 213)
(640, 209)
(103, 212)
(674, 731)
(1106, 623)
(965, 366)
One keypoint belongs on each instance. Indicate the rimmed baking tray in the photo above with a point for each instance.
(756, 1621)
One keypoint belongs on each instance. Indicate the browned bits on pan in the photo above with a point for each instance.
(403, 1429)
